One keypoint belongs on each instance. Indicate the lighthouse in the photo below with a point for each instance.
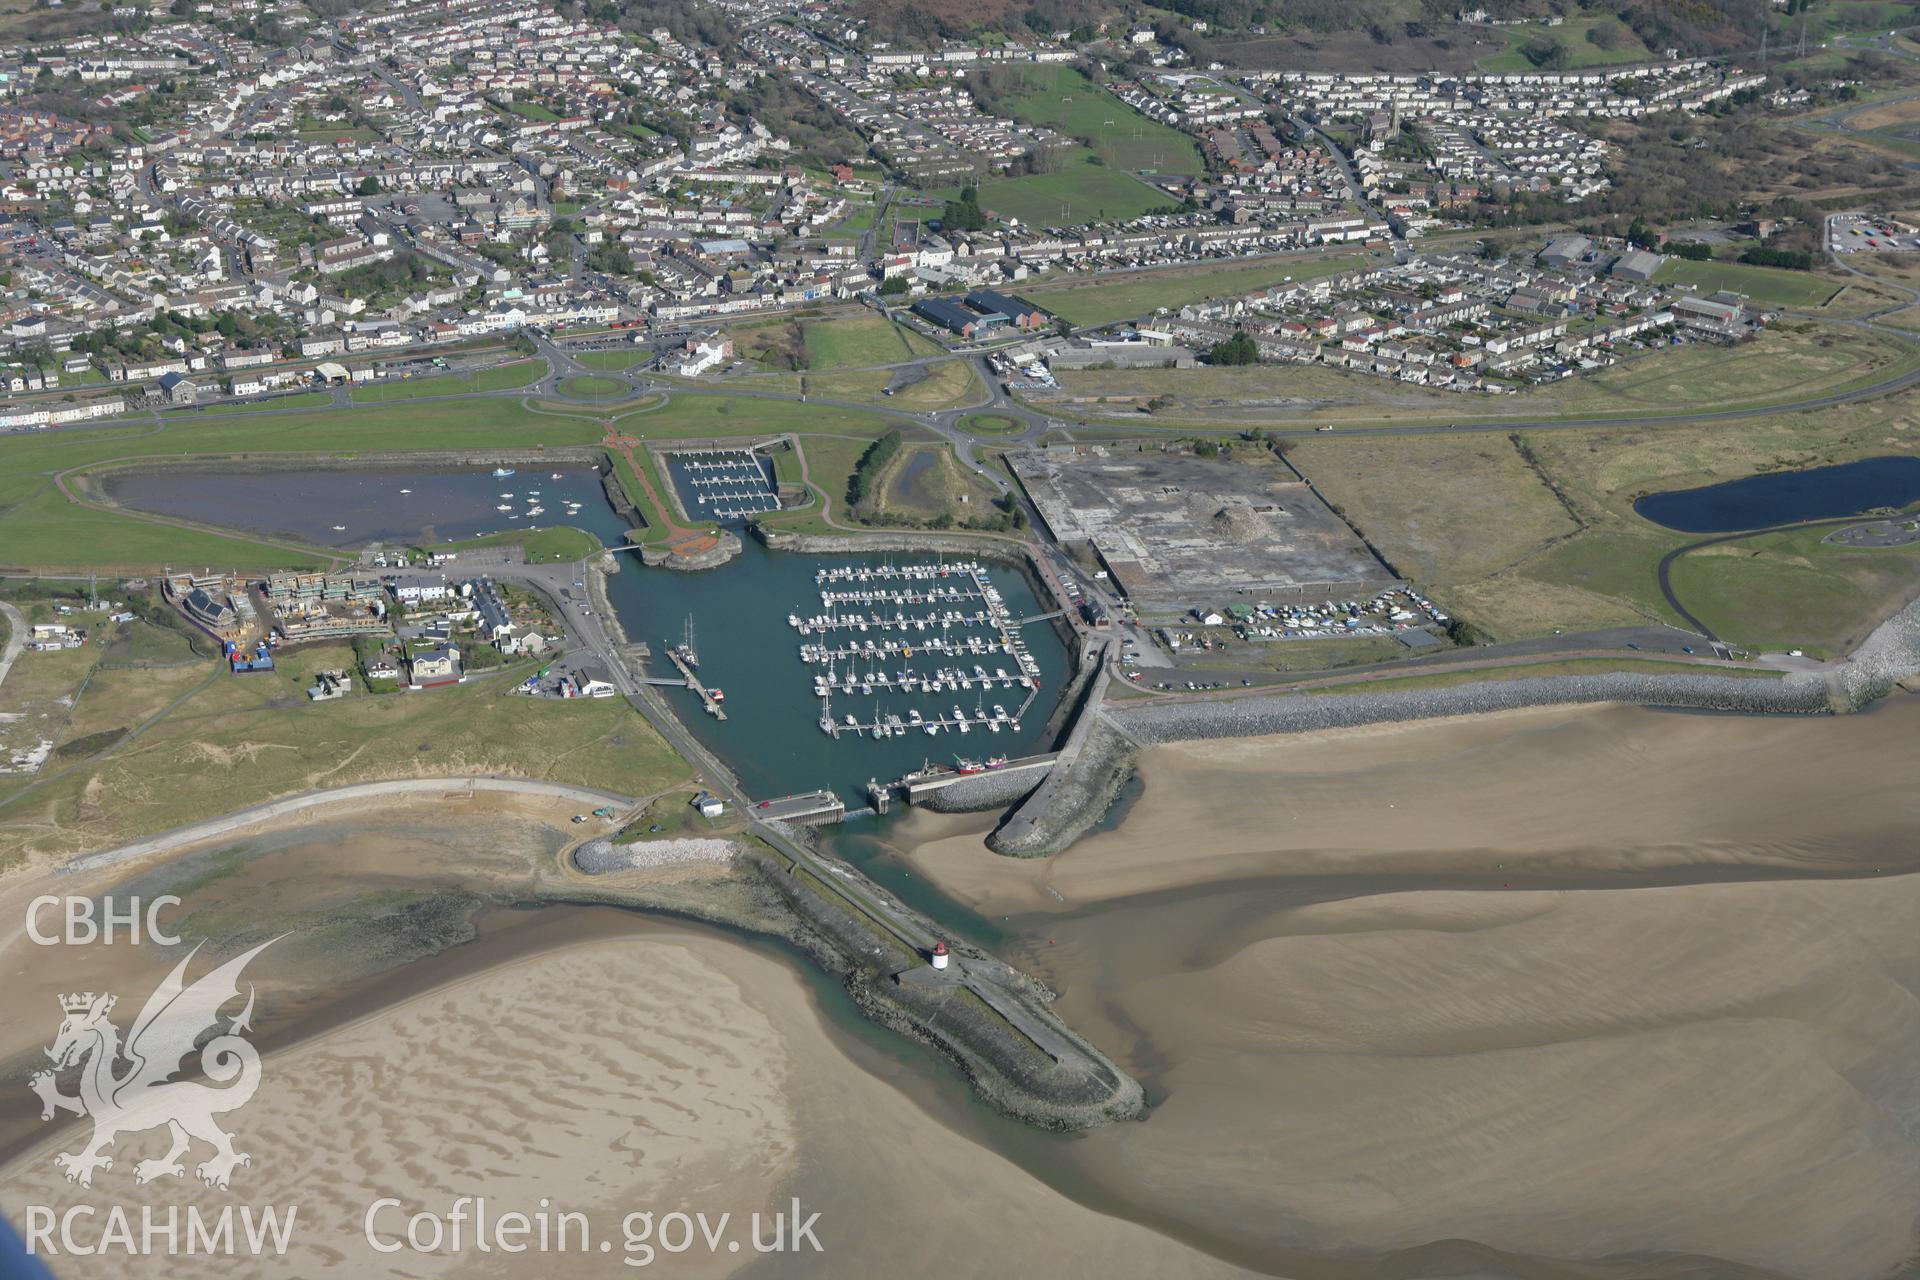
(939, 955)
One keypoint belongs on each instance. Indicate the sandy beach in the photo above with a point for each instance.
(1563, 995)
(655, 1073)
(568, 1076)
(599, 1060)
(1544, 794)
(1370, 1032)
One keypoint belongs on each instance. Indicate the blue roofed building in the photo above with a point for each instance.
(981, 312)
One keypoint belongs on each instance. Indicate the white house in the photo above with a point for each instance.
(413, 588)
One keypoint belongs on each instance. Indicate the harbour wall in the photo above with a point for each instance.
(1160, 722)
(1889, 657)
(983, 791)
(883, 542)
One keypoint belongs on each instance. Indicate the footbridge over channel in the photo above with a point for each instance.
(809, 807)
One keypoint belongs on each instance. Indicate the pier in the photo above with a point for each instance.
(892, 725)
(709, 698)
(978, 646)
(942, 680)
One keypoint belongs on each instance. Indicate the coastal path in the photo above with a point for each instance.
(241, 819)
(16, 638)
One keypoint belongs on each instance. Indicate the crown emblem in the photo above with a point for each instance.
(81, 1003)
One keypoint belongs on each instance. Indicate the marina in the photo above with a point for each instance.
(987, 628)
(907, 688)
(909, 691)
(724, 484)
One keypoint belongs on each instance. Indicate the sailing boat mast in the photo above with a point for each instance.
(687, 651)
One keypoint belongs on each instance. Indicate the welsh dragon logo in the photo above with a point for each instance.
(145, 1095)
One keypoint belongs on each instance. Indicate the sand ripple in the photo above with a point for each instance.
(563, 1076)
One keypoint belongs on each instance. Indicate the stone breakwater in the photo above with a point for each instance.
(984, 548)
(599, 857)
(983, 791)
(1016, 1052)
(1077, 793)
(1890, 656)
(1092, 765)
(1008, 1042)
(1801, 694)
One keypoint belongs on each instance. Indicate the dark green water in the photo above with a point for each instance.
(772, 737)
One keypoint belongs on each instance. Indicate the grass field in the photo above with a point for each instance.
(830, 459)
(239, 740)
(531, 111)
(1785, 590)
(82, 700)
(1105, 299)
(1081, 191)
(141, 644)
(46, 531)
(859, 341)
(1582, 53)
(697, 417)
(1302, 656)
(990, 424)
(672, 816)
(1767, 286)
(786, 467)
(498, 378)
(856, 222)
(1481, 522)
(1787, 361)
(1063, 99)
(776, 346)
(1447, 510)
(1841, 17)
(615, 361)
(925, 482)
(313, 131)
(948, 383)
(586, 386)
(298, 400)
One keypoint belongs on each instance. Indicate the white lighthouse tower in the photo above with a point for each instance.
(939, 955)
